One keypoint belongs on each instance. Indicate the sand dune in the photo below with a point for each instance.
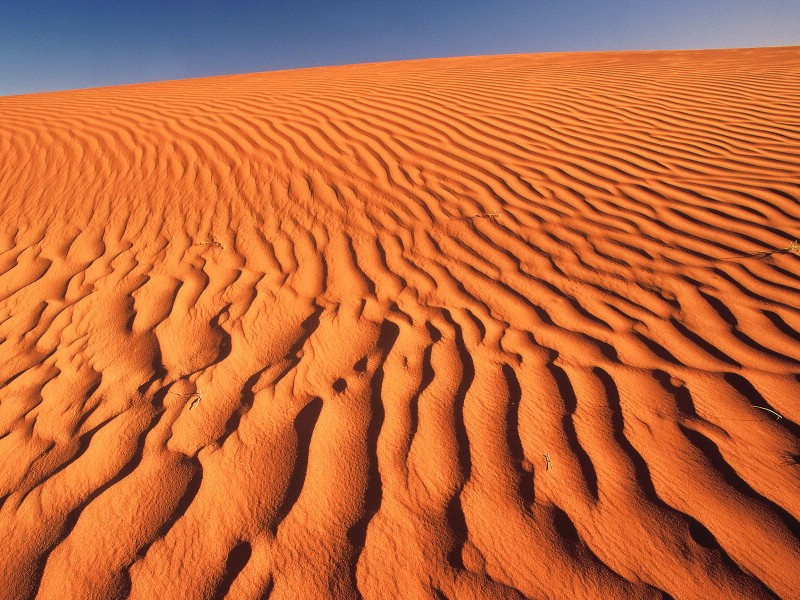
(489, 327)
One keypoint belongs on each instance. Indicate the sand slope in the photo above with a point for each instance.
(466, 328)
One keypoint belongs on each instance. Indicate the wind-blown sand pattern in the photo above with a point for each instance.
(468, 328)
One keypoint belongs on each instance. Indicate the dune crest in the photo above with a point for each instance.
(491, 327)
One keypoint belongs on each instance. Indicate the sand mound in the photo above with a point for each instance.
(470, 328)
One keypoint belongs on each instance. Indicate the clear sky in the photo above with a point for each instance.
(72, 44)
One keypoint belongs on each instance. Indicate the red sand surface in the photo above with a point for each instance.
(493, 327)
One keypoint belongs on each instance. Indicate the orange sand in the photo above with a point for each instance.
(466, 328)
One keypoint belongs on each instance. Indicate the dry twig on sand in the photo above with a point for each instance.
(210, 243)
(768, 410)
(195, 398)
(792, 248)
(548, 462)
(493, 215)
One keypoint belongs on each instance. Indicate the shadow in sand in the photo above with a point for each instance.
(237, 560)
(304, 424)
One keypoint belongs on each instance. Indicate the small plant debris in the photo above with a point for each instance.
(195, 398)
(212, 242)
(792, 248)
(492, 215)
(769, 410)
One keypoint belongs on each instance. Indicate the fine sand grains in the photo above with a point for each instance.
(494, 327)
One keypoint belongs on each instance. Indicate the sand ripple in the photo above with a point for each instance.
(469, 328)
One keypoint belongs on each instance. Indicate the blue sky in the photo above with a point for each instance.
(74, 44)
